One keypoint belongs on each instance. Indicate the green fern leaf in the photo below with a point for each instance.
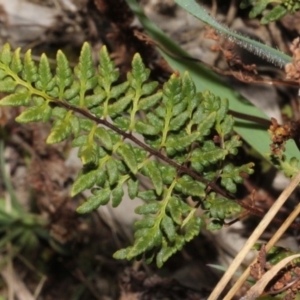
(89, 153)
(139, 74)
(16, 64)
(101, 197)
(16, 99)
(63, 77)
(168, 228)
(188, 186)
(153, 172)
(107, 72)
(152, 207)
(166, 251)
(35, 114)
(5, 54)
(177, 122)
(146, 222)
(226, 126)
(232, 175)
(193, 228)
(275, 14)
(117, 195)
(60, 131)
(7, 85)
(119, 106)
(208, 154)
(146, 239)
(220, 207)
(148, 88)
(45, 81)
(85, 180)
(148, 102)
(146, 129)
(133, 188)
(112, 171)
(127, 153)
(174, 209)
(148, 195)
(104, 137)
(29, 72)
(259, 7)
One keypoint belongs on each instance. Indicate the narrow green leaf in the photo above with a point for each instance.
(85, 70)
(112, 171)
(133, 188)
(60, 131)
(108, 74)
(223, 110)
(117, 195)
(5, 54)
(93, 202)
(149, 87)
(174, 208)
(139, 72)
(64, 77)
(268, 53)
(117, 90)
(146, 222)
(220, 207)
(192, 228)
(233, 144)
(205, 126)
(168, 228)
(7, 85)
(150, 101)
(147, 195)
(181, 142)
(120, 105)
(79, 141)
(45, 81)
(146, 129)
(85, 180)
(35, 114)
(75, 124)
(146, 242)
(208, 154)
(104, 137)
(16, 64)
(191, 187)
(166, 252)
(16, 99)
(149, 208)
(259, 7)
(122, 253)
(227, 125)
(177, 122)
(88, 153)
(153, 172)
(29, 72)
(275, 14)
(126, 152)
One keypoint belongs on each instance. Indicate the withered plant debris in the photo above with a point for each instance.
(280, 134)
(293, 69)
(137, 285)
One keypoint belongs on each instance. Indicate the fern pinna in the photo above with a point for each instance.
(185, 138)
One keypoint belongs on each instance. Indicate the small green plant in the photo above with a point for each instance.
(280, 9)
(190, 133)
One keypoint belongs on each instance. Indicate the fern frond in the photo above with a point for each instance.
(190, 133)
